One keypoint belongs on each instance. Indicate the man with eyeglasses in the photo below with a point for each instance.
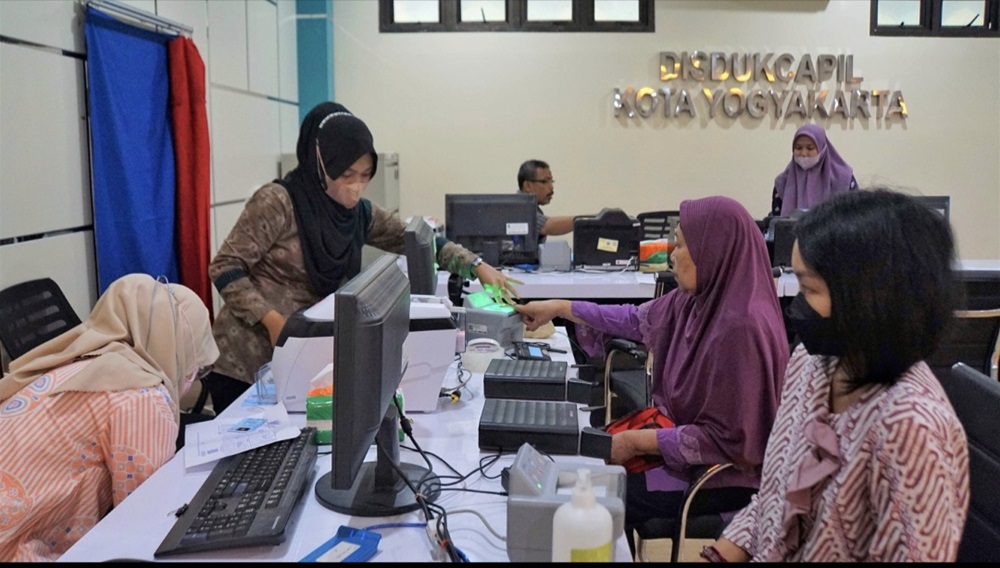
(535, 177)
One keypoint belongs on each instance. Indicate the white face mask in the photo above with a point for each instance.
(807, 162)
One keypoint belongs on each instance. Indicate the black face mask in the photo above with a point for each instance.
(815, 331)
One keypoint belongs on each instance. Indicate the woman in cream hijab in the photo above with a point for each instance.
(87, 416)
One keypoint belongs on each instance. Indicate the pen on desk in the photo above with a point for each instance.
(556, 350)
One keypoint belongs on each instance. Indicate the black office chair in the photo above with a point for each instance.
(32, 313)
(658, 224)
(973, 338)
(976, 400)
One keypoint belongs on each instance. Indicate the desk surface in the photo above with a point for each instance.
(571, 285)
(139, 524)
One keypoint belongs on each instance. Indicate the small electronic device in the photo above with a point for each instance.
(530, 351)
(486, 318)
(607, 241)
(552, 426)
(537, 486)
(529, 379)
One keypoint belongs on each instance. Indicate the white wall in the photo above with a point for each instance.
(248, 47)
(463, 110)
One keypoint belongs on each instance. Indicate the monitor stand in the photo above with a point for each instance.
(378, 491)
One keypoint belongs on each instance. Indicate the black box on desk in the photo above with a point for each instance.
(550, 426)
(525, 379)
(606, 241)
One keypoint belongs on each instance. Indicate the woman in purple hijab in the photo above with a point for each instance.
(815, 172)
(719, 353)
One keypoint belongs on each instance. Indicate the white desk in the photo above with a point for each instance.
(571, 285)
(136, 528)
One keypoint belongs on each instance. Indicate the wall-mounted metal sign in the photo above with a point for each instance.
(789, 86)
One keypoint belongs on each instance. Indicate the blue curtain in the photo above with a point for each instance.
(132, 150)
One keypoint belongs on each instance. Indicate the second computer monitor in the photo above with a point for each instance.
(421, 257)
(500, 227)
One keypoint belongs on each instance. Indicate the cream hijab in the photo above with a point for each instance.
(141, 333)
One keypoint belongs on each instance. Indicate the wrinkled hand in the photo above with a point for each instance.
(498, 285)
(622, 447)
(536, 314)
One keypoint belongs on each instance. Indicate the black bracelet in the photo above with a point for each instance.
(711, 554)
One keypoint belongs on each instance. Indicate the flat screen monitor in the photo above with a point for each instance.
(421, 257)
(502, 227)
(939, 203)
(371, 321)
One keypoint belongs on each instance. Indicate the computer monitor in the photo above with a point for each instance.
(421, 257)
(939, 203)
(500, 227)
(371, 321)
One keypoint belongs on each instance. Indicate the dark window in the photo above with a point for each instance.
(939, 18)
(516, 16)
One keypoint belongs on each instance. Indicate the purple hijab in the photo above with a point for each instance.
(802, 189)
(719, 354)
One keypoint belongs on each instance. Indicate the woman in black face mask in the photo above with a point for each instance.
(867, 460)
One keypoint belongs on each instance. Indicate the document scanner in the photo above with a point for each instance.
(305, 348)
(537, 486)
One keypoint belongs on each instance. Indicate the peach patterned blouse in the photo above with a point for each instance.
(66, 460)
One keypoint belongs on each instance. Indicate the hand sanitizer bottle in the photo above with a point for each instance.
(581, 528)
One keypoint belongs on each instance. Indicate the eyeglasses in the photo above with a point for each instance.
(203, 372)
(547, 181)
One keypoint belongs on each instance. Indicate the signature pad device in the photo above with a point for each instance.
(537, 486)
(552, 426)
(606, 241)
(530, 379)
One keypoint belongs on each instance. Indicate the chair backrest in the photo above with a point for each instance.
(665, 282)
(976, 400)
(658, 224)
(32, 313)
(973, 338)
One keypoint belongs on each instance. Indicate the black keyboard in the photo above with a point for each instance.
(550, 426)
(247, 499)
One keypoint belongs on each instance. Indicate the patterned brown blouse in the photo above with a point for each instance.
(265, 245)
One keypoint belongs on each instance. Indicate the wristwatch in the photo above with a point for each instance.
(475, 263)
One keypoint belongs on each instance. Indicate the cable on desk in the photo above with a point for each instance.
(482, 518)
(454, 392)
(395, 526)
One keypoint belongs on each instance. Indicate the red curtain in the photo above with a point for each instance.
(190, 122)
